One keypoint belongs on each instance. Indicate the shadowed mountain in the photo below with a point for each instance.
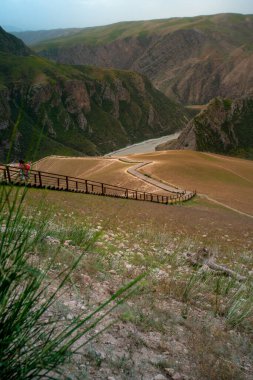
(192, 59)
(12, 45)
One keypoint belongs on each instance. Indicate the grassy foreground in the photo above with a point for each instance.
(37, 341)
(183, 320)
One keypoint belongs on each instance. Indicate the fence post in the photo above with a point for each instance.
(102, 188)
(77, 185)
(5, 176)
(40, 179)
(67, 182)
(136, 195)
(8, 173)
(58, 182)
(126, 193)
(86, 186)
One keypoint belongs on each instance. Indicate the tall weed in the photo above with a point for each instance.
(33, 343)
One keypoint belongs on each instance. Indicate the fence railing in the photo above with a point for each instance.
(39, 179)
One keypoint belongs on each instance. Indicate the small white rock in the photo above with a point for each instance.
(159, 377)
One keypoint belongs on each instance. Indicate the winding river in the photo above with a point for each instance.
(146, 146)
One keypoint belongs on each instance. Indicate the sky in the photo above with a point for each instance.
(52, 14)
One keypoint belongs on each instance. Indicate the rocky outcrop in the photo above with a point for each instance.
(85, 112)
(226, 127)
(47, 108)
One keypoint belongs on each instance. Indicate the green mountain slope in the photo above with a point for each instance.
(225, 127)
(11, 44)
(192, 59)
(77, 110)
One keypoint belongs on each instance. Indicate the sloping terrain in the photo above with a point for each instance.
(180, 315)
(225, 126)
(192, 59)
(224, 179)
(111, 171)
(49, 108)
(178, 318)
(8, 44)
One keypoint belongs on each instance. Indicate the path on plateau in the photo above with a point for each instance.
(161, 185)
(167, 187)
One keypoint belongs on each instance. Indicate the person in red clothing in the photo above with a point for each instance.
(24, 169)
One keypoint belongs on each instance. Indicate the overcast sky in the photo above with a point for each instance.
(50, 14)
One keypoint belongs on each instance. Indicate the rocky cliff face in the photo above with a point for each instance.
(59, 110)
(47, 108)
(120, 54)
(226, 127)
(192, 60)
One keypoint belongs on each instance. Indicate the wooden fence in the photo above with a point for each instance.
(39, 179)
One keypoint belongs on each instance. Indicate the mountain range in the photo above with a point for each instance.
(94, 90)
(191, 59)
(49, 108)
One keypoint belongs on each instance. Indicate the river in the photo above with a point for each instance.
(146, 146)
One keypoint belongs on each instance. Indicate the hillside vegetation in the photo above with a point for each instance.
(77, 110)
(225, 126)
(180, 315)
(192, 59)
(12, 45)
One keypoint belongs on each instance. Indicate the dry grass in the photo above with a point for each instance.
(200, 219)
(163, 324)
(107, 170)
(225, 179)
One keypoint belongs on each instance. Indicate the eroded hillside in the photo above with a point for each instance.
(225, 126)
(191, 59)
